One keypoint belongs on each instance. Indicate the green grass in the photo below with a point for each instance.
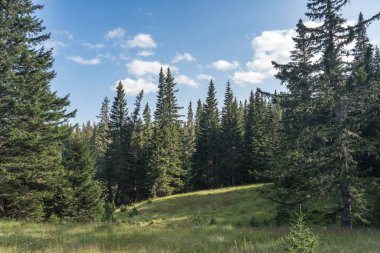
(181, 223)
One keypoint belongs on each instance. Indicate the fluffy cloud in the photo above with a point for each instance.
(183, 57)
(80, 60)
(205, 77)
(225, 65)
(133, 87)
(142, 40)
(145, 53)
(182, 79)
(249, 77)
(93, 46)
(268, 46)
(116, 33)
(139, 67)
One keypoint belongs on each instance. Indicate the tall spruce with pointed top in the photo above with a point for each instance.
(116, 171)
(134, 153)
(231, 140)
(324, 101)
(102, 137)
(188, 145)
(165, 172)
(206, 157)
(32, 117)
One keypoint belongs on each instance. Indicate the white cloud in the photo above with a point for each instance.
(133, 87)
(93, 46)
(80, 60)
(139, 67)
(248, 77)
(225, 65)
(268, 46)
(183, 57)
(205, 77)
(182, 79)
(145, 53)
(116, 33)
(142, 40)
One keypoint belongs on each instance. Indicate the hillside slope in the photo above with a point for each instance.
(205, 222)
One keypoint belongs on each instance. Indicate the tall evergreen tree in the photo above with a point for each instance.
(328, 139)
(102, 136)
(84, 203)
(32, 117)
(116, 171)
(188, 145)
(231, 140)
(165, 172)
(206, 157)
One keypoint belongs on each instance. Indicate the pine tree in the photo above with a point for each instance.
(32, 117)
(206, 157)
(84, 203)
(231, 140)
(188, 145)
(165, 172)
(326, 162)
(135, 155)
(147, 133)
(116, 171)
(102, 136)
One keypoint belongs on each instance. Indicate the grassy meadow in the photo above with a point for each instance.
(205, 221)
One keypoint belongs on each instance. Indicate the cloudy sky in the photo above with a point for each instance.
(99, 43)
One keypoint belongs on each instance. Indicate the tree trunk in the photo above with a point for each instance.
(346, 218)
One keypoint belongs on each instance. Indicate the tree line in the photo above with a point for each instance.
(318, 140)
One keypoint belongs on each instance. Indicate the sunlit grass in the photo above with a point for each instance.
(180, 223)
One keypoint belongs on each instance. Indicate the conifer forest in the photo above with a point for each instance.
(291, 170)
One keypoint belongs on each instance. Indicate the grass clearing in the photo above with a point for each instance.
(181, 223)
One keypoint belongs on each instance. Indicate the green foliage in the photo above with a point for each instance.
(109, 214)
(301, 239)
(84, 203)
(32, 117)
(253, 222)
(205, 172)
(165, 169)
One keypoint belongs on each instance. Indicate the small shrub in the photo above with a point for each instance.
(212, 221)
(109, 212)
(134, 212)
(301, 239)
(149, 201)
(54, 219)
(254, 222)
(123, 209)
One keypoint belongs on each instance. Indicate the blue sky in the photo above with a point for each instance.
(97, 43)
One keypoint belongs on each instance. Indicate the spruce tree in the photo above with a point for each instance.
(231, 140)
(32, 117)
(102, 136)
(116, 171)
(165, 172)
(327, 139)
(188, 145)
(84, 203)
(207, 155)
